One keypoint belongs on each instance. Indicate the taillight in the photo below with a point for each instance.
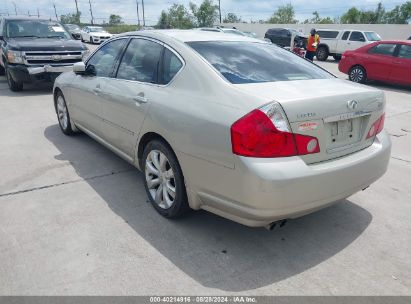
(265, 133)
(377, 127)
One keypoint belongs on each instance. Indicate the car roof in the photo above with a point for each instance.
(192, 35)
(395, 41)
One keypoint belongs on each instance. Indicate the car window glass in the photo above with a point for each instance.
(357, 36)
(140, 61)
(383, 49)
(251, 62)
(345, 36)
(405, 51)
(171, 66)
(104, 59)
(328, 34)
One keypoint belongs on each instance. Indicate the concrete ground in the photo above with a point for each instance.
(74, 220)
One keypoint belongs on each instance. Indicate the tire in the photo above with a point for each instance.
(164, 180)
(14, 86)
(357, 74)
(337, 57)
(81, 38)
(322, 53)
(91, 40)
(2, 71)
(63, 115)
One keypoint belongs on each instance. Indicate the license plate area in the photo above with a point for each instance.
(344, 133)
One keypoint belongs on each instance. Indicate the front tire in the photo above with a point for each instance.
(357, 74)
(164, 180)
(337, 57)
(63, 115)
(91, 40)
(14, 86)
(322, 53)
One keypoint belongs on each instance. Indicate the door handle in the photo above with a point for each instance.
(140, 99)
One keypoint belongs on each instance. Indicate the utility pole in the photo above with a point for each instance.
(38, 13)
(91, 12)
(76, 6)
(219, 9)
(138, 15)
(144, 17)
(55, 11)
(15, 7)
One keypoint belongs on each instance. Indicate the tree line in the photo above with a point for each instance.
(206, 15)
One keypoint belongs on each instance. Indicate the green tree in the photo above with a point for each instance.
(284, 15)
(206, 14)
(177, 16)
(115, 20)
(318, 20)
(231, 18)
(399, 14)
(71, 18)
(352, 16)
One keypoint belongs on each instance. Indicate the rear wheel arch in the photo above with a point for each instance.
(145, 139)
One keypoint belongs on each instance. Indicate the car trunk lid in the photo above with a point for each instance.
(338, 113)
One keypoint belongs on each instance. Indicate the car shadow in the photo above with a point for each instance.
(215, 252)
(30, 89)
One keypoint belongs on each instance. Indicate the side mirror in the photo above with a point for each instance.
(79, 68)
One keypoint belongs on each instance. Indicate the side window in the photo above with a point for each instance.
(328, 34)
(357, 36)
(405, 51)
(105, 58)
(171, 66)
(140, 61)
(383, 49)
(345, 36)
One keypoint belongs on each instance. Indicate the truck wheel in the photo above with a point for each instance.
(357, 74)
(337, 57)
(14, 86)
(322, 53)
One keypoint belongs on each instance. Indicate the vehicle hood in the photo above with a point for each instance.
(45, 44)
(316, 98)
(99, 34)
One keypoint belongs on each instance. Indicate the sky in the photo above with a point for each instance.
(246, 9)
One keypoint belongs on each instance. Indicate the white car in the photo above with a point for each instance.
(94, 34)
(225, 123)
(336, 42)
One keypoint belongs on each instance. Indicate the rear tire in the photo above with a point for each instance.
(164, 180)
(337, 57)
(322, 53)
(357, 74)
(14, 86)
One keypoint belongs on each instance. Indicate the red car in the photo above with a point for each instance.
(388, 61)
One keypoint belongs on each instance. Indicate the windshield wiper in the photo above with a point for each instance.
(55, 36)
(26, 36)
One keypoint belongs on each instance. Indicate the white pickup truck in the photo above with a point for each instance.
(336, 42)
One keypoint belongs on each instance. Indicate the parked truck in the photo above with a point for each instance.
(336, 42)
(33, 49)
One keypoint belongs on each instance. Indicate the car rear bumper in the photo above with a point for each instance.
(344, 66)
(261, 191)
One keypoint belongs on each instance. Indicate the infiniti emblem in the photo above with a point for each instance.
(352, 104)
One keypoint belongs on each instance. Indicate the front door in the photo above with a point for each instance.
(85, 98)
(355, 41)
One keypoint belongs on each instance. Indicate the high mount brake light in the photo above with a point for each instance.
(265, 133)
(377, 127)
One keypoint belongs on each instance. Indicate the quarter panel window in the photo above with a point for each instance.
(357, 36)
(171, 66)
(345, 36)
(328, 34)
(405, 51)
(140, 61)
(383, 49)
(105, 58)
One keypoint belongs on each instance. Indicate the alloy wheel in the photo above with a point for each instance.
(357, 75)
(62, 112)
(160, 179)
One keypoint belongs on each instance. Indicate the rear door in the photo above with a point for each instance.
(355, 41)
(378, 61)
(401, 69)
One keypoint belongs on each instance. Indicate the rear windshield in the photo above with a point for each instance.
(372, 36)
(253, 62)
